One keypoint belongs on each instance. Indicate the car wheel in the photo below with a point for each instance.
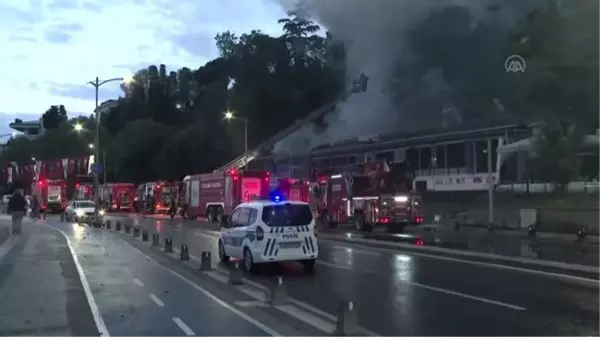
(309, 265)
(222, 256)
(249, 264)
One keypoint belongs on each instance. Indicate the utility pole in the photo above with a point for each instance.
(490, 180)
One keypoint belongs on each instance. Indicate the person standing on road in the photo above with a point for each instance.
(17, 206)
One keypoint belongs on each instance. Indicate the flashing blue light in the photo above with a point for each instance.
(276, 196)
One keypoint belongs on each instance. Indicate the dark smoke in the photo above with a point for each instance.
(375, 34)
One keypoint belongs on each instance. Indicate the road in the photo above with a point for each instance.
(62, 278)
(401, 291)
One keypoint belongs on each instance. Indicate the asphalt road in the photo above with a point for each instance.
(400, 292)
(62, 278)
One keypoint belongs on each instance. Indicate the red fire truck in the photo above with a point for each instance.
(84, 188)
(216, 194)
(381, 196)
(119, 196)
(52, 194)
(155, 197)
(294, 189)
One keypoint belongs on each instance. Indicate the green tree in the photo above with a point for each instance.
(55, 115)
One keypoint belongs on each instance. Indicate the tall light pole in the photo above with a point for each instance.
(97, 84)
(229, 116)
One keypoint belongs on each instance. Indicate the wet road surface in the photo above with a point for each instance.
(62, 278)
(404, 293)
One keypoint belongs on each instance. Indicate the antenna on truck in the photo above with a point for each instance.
(358, 86)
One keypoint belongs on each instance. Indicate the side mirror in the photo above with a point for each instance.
(224, 220)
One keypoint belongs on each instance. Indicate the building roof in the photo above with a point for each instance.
(25, 125)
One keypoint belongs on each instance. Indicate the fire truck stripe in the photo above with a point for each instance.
(272, 247)
(266, 247)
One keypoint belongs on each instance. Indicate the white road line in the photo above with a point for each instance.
(251, 304)
(156, 300)
(244, 316)
(138, 282)
(582, 280)
(186, 329)
(86, 287)
(356, 250)
(307, 318)
(216, 276)
(472, 297)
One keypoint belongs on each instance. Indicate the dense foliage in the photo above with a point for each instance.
(171, 123)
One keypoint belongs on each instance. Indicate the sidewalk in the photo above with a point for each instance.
(40, 289)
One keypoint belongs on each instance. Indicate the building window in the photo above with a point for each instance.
(481, 155)
(388, 156)
(455, 156)
(440, 157)
(338, 161)
(412, 157)
(424, 158)
(352, 160)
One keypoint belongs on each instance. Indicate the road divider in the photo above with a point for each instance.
(278, 293)
(205, 261)
(184, 254)
(235, 276)
(145, 235)
(168, 245)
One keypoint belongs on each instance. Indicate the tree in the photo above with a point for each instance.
(55, 115)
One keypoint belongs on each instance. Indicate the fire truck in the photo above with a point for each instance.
(84, 187)
(155, 197)
(293, 189)
(381, 196)
(119, 196)
(52, 194)
(215, 194)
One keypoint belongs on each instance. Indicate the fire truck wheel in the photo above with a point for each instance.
(210, 215)
(222, 256)
(249, 264)
(219, 216)
(359, 223)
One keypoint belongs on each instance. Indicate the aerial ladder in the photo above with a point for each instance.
(358, 86)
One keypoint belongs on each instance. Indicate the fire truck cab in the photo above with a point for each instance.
(119, 196)
(382, 196)
(84, 188)
(52, 194)
(293, 189)
(155, 197)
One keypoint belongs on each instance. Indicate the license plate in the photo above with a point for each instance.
(288, 245)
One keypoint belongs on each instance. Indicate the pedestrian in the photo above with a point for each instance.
(17, 206)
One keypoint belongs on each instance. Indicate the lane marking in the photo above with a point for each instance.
(226, 305)
(86, 286)
(472, 297)
(138, 282)
(216, 276)
(583, 280)
(307, 318)
(186, 329)
(251, 304)
(355, 250)
(156, 300)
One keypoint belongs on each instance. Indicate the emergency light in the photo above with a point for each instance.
(276, 196)
(401, 198)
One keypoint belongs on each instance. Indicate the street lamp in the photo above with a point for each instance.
(91, 145)
(230, 116)
(78, 127)
(97, 84)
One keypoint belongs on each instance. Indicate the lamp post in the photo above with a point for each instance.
(96, 146)
(229, 116)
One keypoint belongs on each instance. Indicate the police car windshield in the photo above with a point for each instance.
(287, 215)
(85, 204)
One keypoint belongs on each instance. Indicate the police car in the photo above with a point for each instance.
(267, 231)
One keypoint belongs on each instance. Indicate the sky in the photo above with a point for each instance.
(52, 48)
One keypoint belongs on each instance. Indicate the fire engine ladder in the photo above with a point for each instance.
(358, 86)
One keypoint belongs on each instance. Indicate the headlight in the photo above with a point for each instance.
(101, 212)
(79, 212)
(401, 198)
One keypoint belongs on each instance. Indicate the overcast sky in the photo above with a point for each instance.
(51, 48)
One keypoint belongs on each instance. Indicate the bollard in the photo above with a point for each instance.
(44, 212)
(581, 234)
(127, 228)
(490, 227)
(235, 276)
(136, 232)
(63, 217)
(118, 225)
(107, 224)
(184, 254)
(346, 322)
(155, 239)
(278, 293)
(168, 245)
(205, 261)
(531, 230)
(144, 235)
(456, 226)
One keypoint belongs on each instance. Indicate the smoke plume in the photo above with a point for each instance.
(375, 34)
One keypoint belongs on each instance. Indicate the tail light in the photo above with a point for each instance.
(418, 219)
(260, 234)
(384, 220)
(419, 242)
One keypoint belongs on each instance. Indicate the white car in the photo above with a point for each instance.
(81, 210)
(268, 231)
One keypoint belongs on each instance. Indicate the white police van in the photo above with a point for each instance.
(267, 231)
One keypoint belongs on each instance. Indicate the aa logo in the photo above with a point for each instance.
(515, 64)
